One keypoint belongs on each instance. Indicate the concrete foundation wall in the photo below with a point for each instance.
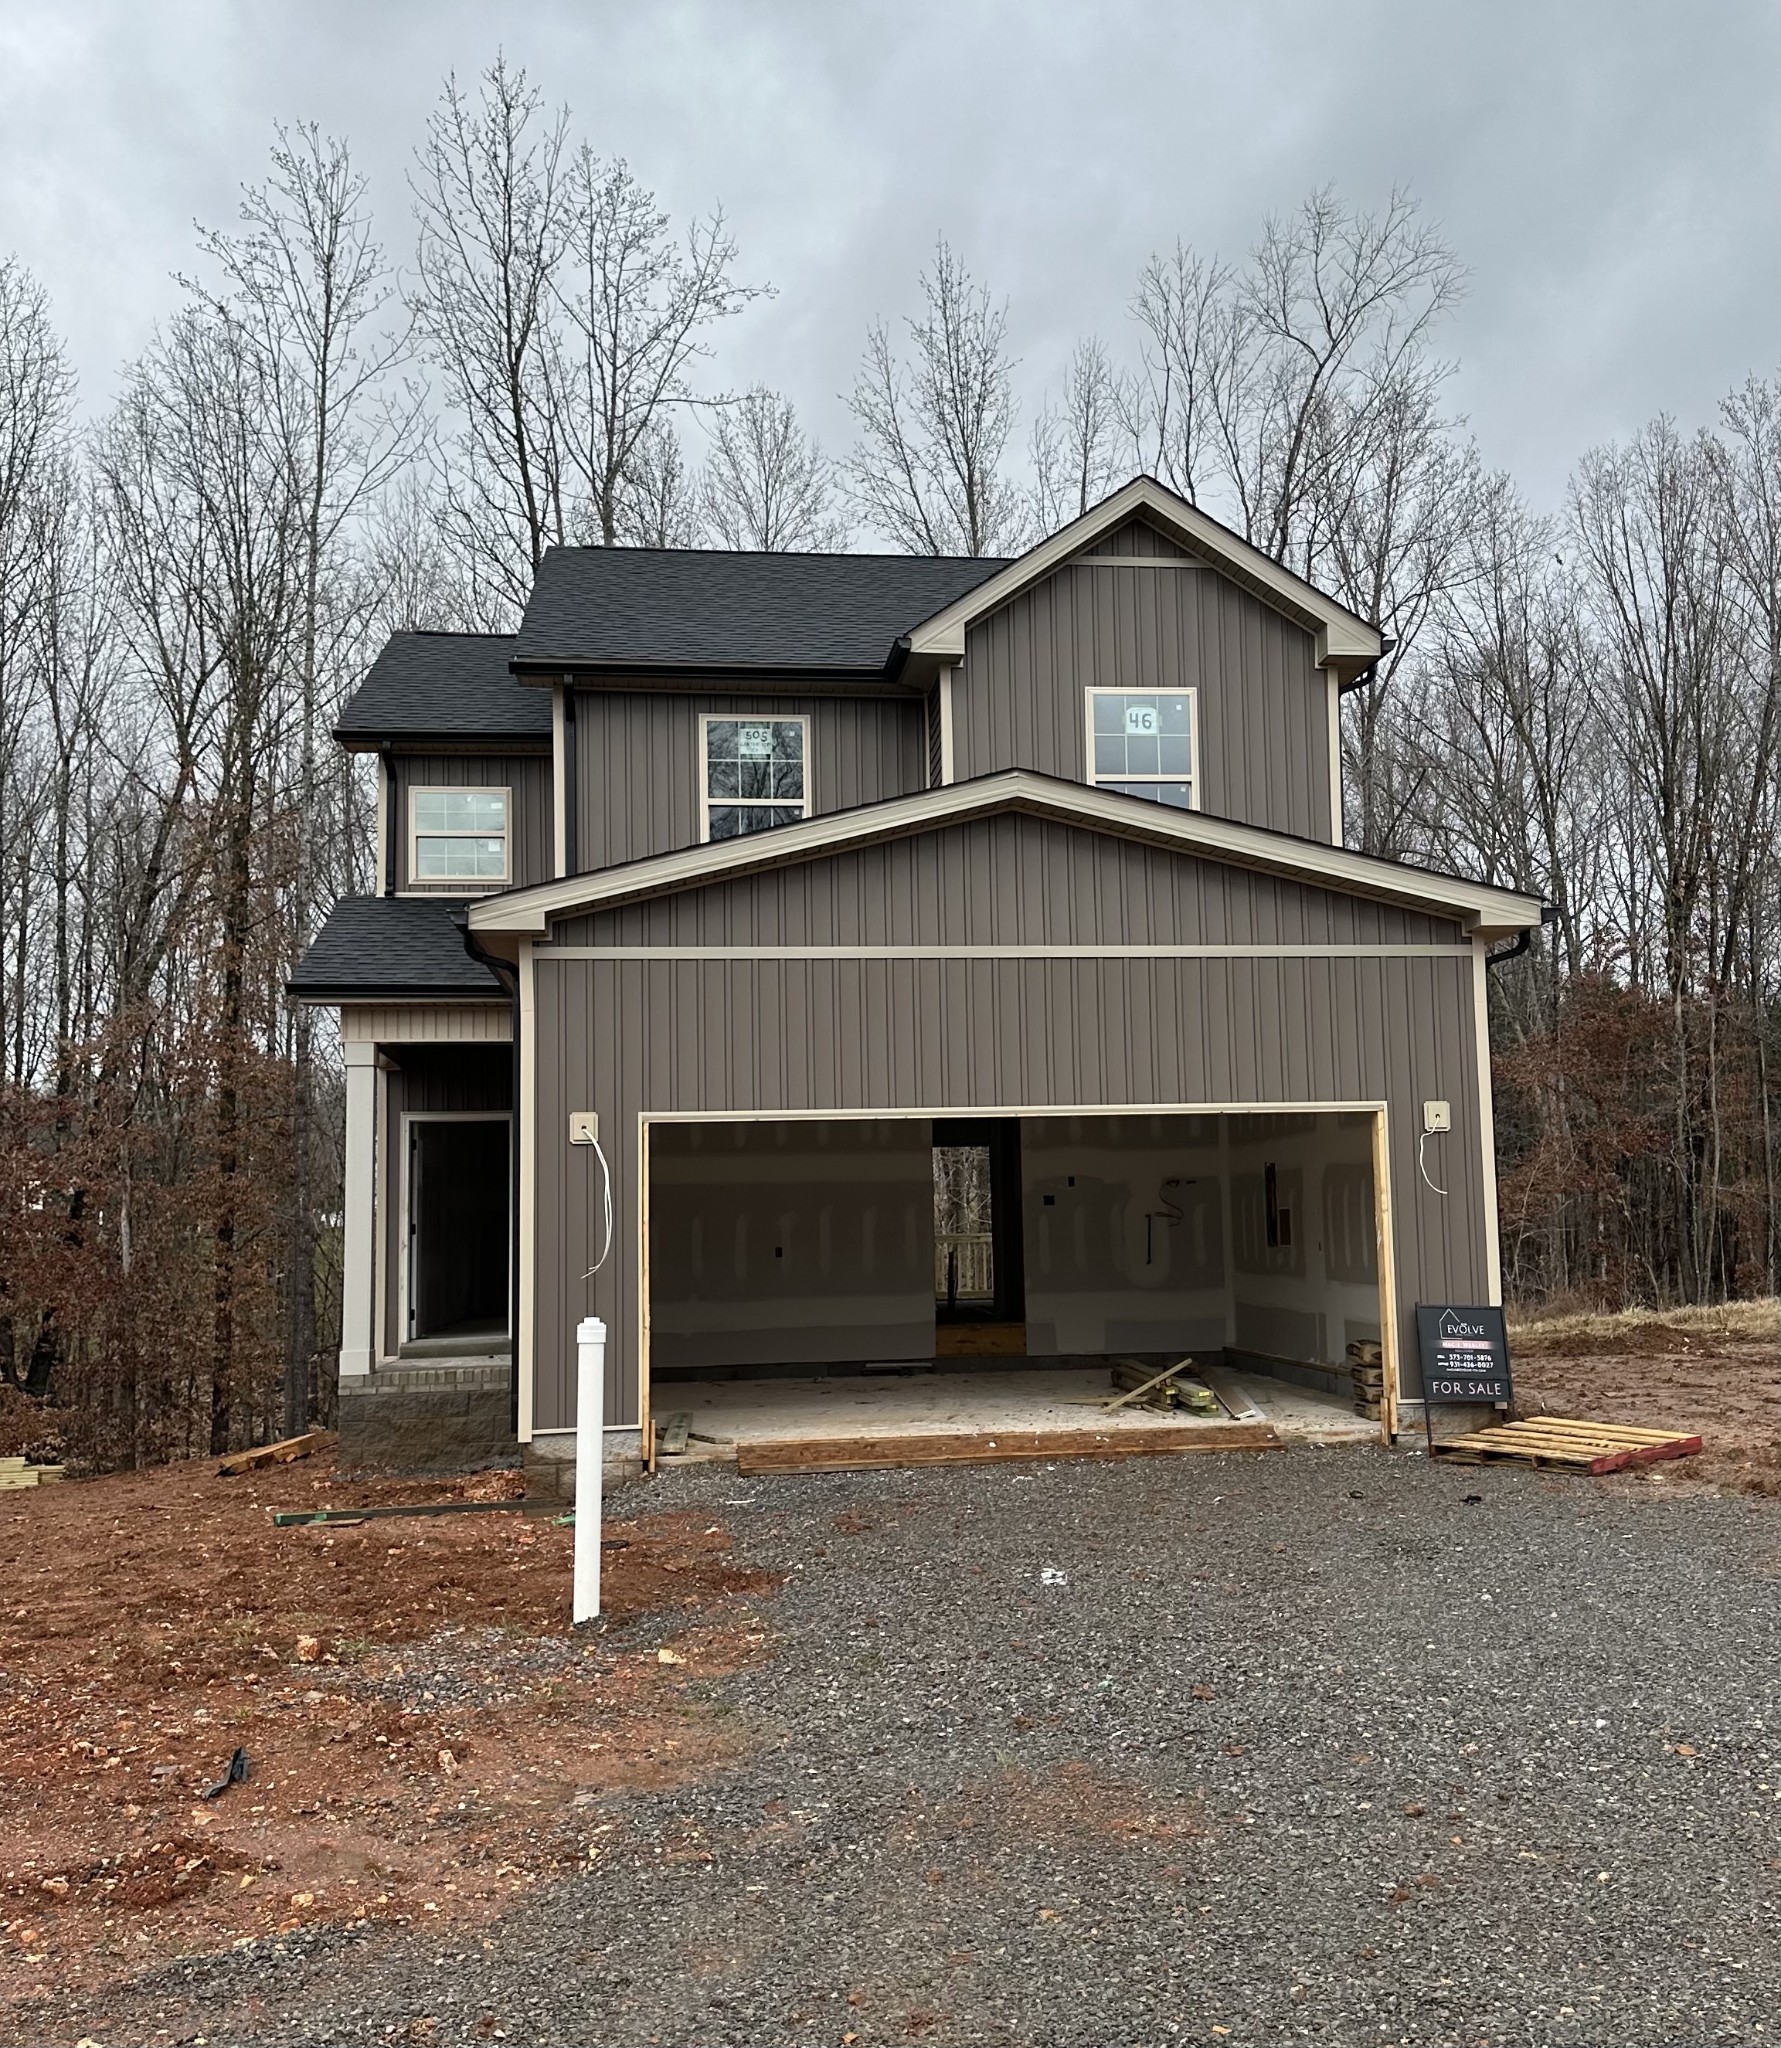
(429, 1420)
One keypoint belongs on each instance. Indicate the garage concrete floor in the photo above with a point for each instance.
(726, 1413)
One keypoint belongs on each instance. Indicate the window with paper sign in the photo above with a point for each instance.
(1145, 743)
(754, 774)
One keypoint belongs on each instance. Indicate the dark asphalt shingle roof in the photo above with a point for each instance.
(669, 607)
(392, 945)
(445, 686)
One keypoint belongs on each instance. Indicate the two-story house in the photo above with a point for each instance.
(775, 873)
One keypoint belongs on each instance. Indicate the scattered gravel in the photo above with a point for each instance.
(1320, 1746)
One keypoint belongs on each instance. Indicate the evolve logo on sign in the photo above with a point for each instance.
(1465, 1353)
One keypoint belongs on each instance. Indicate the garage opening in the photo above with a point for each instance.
(458, 1187)
(897, 1276)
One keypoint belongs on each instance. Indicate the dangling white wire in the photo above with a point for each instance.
(605, 1211)
(1422, 1164)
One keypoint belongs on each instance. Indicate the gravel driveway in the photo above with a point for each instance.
(1322, 1745)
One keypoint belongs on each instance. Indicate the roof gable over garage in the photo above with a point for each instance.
(1006, 880)
(1330, 869)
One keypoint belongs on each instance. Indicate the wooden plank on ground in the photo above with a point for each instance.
(980, 1340)
(671, 1440)
(867, 1454)
(292, 1448)
(1235, 1400)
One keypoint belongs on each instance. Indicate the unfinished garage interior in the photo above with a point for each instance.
(897, 1275)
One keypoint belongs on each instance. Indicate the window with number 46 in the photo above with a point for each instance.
(1144, 743)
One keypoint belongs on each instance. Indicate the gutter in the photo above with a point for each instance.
(505, 974)
(1360, 682)
(1523, 940)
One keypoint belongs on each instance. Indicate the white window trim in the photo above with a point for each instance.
(460, 884)
(709, 718)
(1195, 777)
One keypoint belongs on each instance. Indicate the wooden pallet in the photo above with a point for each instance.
(1564, 1440)
(970, 1447)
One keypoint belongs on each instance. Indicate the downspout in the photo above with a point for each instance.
(386, 853)
(571, 850)
(504, 973)
(1523, 940)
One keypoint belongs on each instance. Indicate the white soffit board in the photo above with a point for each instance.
(1342, 639)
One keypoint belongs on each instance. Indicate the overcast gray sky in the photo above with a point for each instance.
(1607, 168)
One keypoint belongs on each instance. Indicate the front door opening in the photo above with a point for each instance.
(458, 1187)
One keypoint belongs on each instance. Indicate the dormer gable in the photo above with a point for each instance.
(1345, 643)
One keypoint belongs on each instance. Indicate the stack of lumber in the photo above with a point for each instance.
(1563, 1440)
(1366, 1370)
(20, 1472)
(283, 1453)
(1142, 1386)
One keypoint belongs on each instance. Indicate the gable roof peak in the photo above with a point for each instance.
(1346, 643)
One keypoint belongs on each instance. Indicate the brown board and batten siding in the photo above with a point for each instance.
(532, 825)
(1007, 880)
(766, 1037)
(1262, 703)
(638, 766)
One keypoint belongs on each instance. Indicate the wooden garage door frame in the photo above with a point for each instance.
(1382, 1216)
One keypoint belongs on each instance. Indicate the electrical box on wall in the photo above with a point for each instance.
(584, 1127)
(1437, 1116)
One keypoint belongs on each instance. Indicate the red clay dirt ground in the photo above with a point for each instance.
(426, 1737)
(1715, 1372)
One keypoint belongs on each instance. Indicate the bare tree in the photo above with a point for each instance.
(659, 507)
(494, 224)
(209, 522)
(1195, 337)
(36, 398)
(307, 285)
(766, 484)
(1076, 443)
(637, 305)
(927, 470)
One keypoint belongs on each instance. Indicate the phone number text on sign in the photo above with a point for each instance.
(1465, 1353)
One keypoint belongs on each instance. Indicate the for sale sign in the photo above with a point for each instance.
(1465, 1354)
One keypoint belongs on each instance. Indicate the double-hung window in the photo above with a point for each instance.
(458, 835)
(1145, 743)
(755, 774)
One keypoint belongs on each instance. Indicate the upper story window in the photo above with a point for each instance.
(1145, 743)
(458, 835)
(755, 774)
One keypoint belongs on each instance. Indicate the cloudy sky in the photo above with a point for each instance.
(1608, 169)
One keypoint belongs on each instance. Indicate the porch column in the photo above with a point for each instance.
(358, 1245)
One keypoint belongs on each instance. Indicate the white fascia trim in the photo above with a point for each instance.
(1034, 952)
(1341, 636)
(1481, 907)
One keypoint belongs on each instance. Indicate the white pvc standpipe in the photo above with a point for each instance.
(590, 1454)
